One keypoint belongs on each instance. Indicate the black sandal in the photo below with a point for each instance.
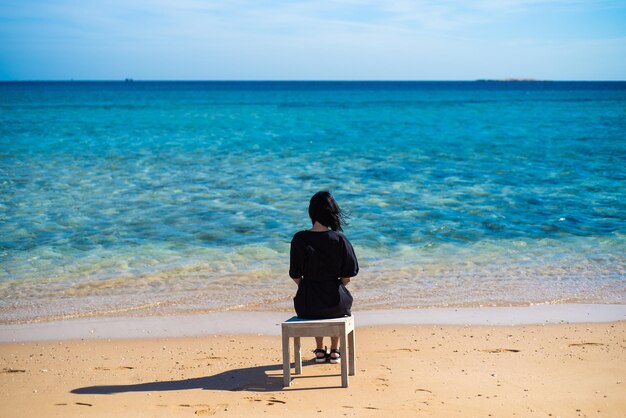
(335, 360)
(319, 359)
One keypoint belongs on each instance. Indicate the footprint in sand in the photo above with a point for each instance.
(272, 401)
(423, 398)
(210, 410)
(253, 399)
(209, 358)
(115, 368)
(5, 370)
(501, 350)
(584, 344)
(382, 381)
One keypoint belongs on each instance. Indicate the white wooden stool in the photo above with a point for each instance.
(336, 327)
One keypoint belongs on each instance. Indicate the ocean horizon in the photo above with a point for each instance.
(142, 197)
(148, 80)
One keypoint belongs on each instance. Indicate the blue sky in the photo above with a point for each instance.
(312, 39)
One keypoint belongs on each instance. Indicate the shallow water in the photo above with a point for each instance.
(143, 197)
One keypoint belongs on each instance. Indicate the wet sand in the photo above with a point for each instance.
(565, 370)
(268, 323)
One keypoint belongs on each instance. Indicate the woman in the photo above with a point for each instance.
(322, 262)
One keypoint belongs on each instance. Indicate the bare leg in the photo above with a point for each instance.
(334, 344)
(320, 357)
(320, 342)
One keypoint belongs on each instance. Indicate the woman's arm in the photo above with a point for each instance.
(345, 280)
(296, 261)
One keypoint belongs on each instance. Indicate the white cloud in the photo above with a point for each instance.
(280, 39)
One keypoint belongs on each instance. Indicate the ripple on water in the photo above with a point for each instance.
(171, 198)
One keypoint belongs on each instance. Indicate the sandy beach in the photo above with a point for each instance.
(554, 369)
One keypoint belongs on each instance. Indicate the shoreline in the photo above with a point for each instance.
(268, 323)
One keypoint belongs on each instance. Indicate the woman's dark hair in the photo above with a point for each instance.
(326, 211)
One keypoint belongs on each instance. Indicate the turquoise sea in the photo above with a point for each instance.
(168, 197)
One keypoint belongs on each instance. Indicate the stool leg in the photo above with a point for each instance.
(344, 364)
(298, 355)
(352, 354)
(286, 359)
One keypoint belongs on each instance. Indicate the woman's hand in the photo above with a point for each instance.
(345, 280)
(297, 281)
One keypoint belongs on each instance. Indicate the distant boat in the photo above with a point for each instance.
(129, 80)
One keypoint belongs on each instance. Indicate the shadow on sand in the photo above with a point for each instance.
(253, 379)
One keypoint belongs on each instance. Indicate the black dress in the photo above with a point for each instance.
(320, 259)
